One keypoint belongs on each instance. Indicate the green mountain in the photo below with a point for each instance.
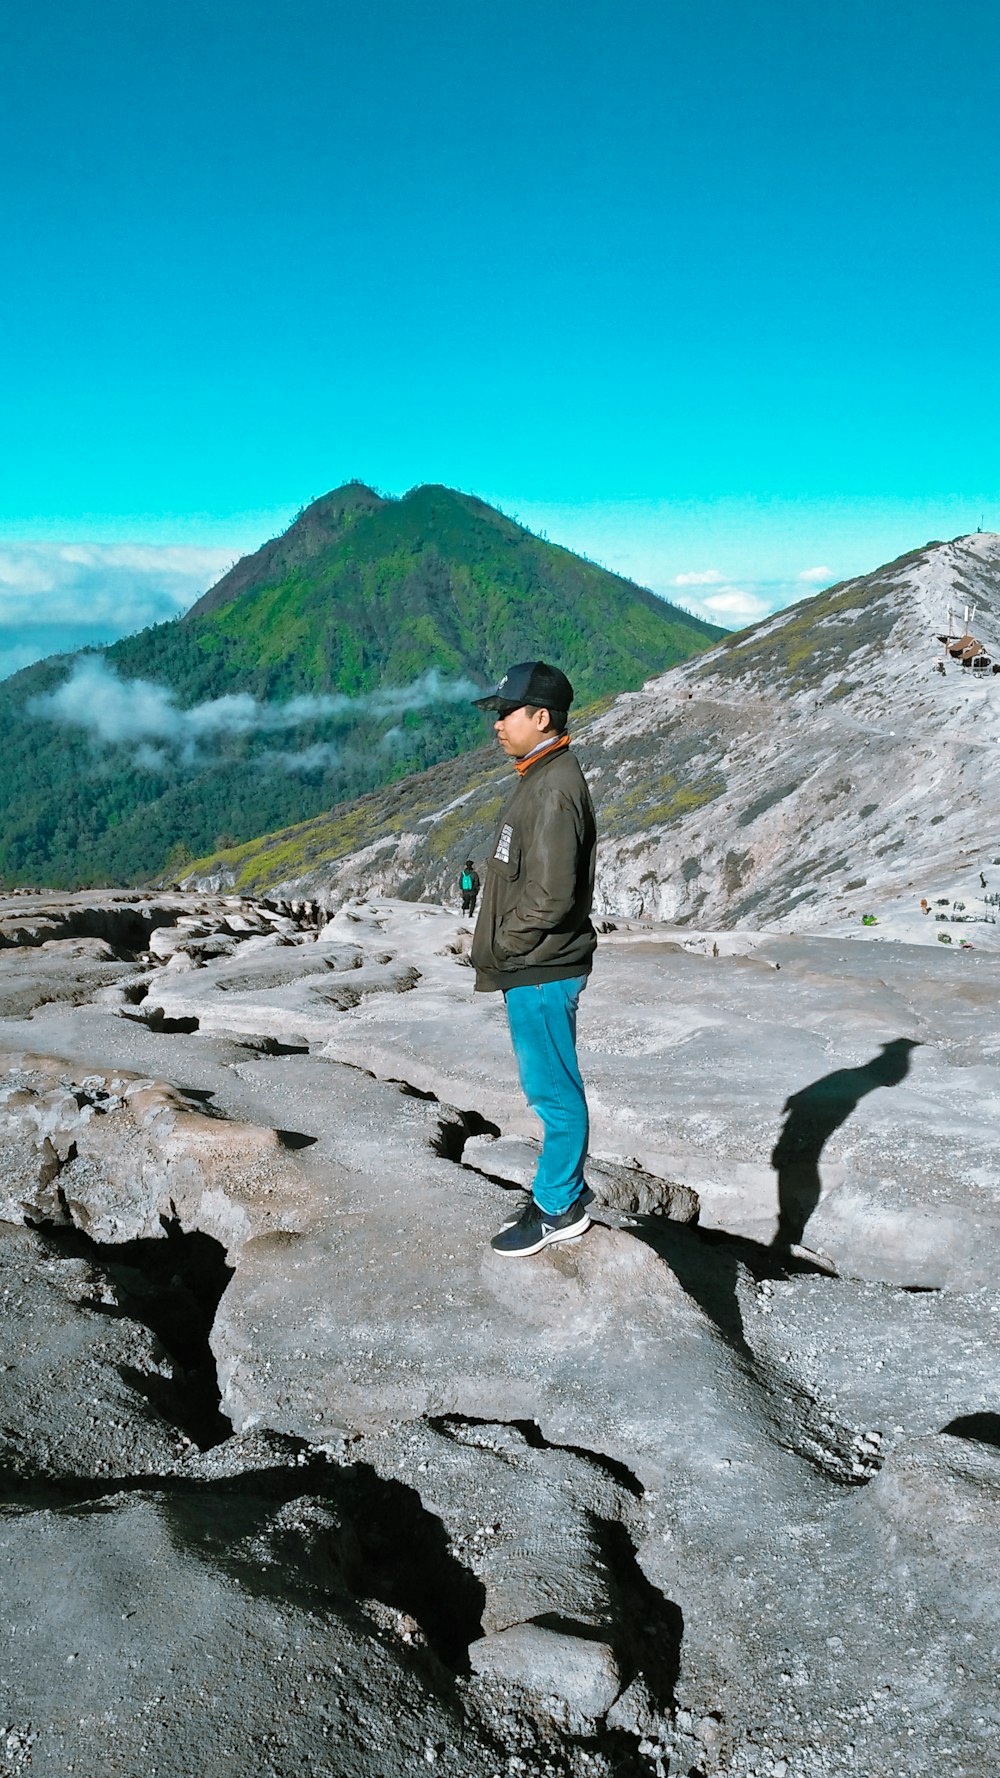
(339, 657)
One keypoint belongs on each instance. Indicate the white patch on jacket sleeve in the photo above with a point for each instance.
(503, 843)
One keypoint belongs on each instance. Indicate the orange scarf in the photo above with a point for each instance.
(530, 759)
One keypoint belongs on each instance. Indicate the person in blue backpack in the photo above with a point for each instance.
(468, 883)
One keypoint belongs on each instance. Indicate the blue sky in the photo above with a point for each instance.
(704, 290)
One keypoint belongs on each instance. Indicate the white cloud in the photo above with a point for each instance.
(57, 597)
(309, 761)
(23, 574)
(708, 577)
(815, 574)
(145, 558)
(148, 718)
(734, 602)
(17, 654)
(151, 759)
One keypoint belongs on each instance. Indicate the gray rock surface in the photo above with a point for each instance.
(299, 1476)
(583, 1674)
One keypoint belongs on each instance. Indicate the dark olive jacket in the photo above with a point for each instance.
(534, 920)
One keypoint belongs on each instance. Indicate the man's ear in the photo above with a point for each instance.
(542, 726)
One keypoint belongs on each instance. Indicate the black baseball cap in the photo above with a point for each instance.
(530, 682)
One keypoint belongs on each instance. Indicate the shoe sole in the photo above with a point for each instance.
(549, 1239)
(814, 1256)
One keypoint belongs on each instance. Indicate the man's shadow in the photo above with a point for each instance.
(707, 1262)
(811, 1116)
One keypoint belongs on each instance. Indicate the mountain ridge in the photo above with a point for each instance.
(317, 524)
(829, 750)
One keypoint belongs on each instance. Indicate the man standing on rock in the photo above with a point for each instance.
(534, 941)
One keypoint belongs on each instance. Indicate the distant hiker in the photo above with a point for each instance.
(468, 883)
(534, 941)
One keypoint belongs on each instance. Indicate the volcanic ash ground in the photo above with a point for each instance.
(300, 1478)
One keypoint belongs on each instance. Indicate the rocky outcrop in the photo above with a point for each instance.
(299, 1475)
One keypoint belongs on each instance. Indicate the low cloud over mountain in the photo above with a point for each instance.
(149, 718)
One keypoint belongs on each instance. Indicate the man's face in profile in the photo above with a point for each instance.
(518, 733)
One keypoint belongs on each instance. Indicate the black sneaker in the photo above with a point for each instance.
(524, 1204)
(535, 1229)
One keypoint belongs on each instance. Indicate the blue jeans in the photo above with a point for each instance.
(543, 1031)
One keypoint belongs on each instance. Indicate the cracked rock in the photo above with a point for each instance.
(669, 1499)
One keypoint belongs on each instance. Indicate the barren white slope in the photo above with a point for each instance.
(835, 768)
